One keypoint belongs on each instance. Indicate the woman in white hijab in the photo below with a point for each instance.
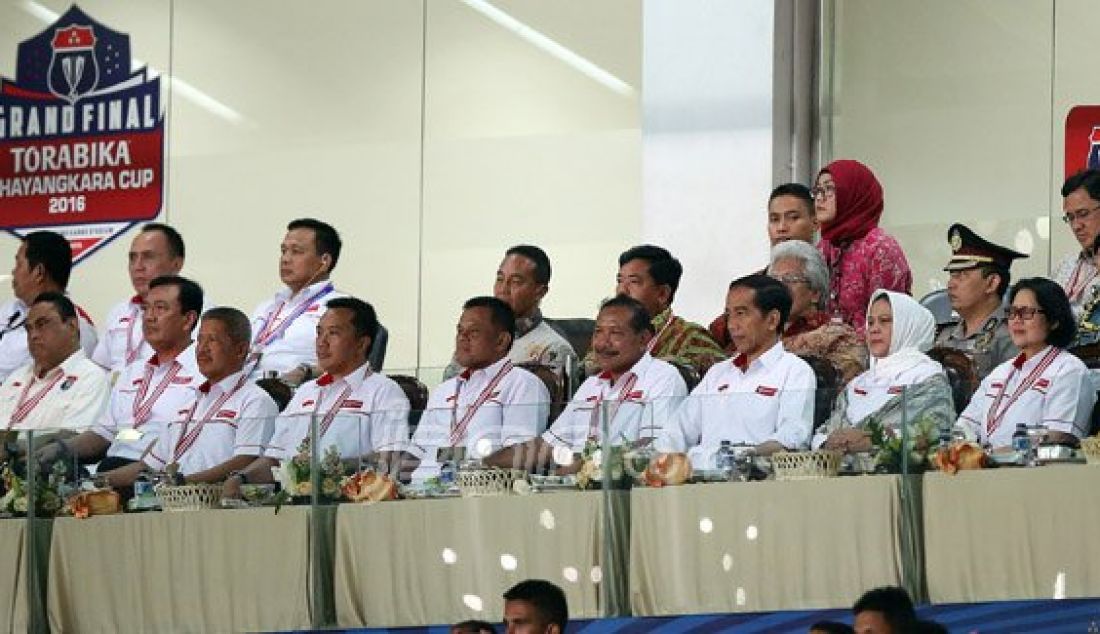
(902, 383)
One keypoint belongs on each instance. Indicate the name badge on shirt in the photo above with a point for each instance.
(349, 404)
(894, 389)
(1041, 385)
(129, 435)
(765, 390)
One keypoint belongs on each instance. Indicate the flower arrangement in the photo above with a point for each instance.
(297, 478)
(922, 441)
(49, 496)
(595, 459)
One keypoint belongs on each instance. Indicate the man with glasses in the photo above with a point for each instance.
(978, 279)
(1077, 273)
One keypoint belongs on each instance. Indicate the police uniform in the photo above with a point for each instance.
(990, 344)
(71, 396)
(501, 403)
(747, 404)
(14, 353)
(284, 328)
(232, 417)
(638, 405)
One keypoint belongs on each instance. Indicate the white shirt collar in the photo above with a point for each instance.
(307, 291)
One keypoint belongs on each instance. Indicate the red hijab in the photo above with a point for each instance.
(858, 201)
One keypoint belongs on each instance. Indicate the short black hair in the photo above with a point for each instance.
(928, 627)
(798, 190)
(500, 313)
(190, 293)
(663, 268)
(325, 237)
(995, 269)
(236, 323)
(832, 627)
(893, 603)
(473, 627)
(640, 319)
(1053, 302)
(175, 241)
(363, 317)
(547, 598)
(64, 306)
(53, 252)
(537, 256)
(769, 294)
(1089, 180)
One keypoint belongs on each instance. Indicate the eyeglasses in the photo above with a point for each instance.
(1080, 214)
(1027, 313)
(791, 279)
(824, 191)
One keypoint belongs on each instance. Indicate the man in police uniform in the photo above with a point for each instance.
(979, 278)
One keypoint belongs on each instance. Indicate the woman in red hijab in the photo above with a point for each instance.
(861, 256)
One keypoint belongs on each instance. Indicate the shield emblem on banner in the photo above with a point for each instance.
(73, 69)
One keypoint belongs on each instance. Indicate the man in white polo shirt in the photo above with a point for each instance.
(631, 397)
(146, 395)
(284, 328)
(763, 397)
(358, 411)
(227, 426)
(60, 388)
(156, 250)
(490, 404)
(43, 263)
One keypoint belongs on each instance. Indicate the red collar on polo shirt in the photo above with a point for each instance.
(1019, 361)
(741, 362)
(205, 387)
(136, 299)
(466, 374)
(325, 379)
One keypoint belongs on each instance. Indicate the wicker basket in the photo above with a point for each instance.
(189, 497)
(807, 465)
(491, 481)
(1091, 448)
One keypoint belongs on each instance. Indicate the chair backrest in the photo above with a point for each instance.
(377, 354)
(689, 373)
(554, 382)
(280, 392)
(939, 304)
(962, 374)
(828, 384)
(416, 392)
(577, 331)
(1089, 354)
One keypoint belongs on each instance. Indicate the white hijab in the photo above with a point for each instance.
(913, 333)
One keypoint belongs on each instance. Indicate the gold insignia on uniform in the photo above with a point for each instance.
(956, 241)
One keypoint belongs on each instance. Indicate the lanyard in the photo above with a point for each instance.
(25, 406)
(612, 408)
(653, 342)
(1074, 291)
(458, 427)
(188, 434)
(274, 329)
(132, 350)
(142, 406)
(996, 415)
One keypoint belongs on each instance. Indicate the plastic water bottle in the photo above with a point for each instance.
(143, 486)
(1021, 443)
(447, 473)
(724, 460)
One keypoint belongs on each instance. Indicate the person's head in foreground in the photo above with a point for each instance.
(886, 610)
(535, 606)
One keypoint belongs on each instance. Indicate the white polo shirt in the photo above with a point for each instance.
(360, 413)
(14, 353)
(71, 396)
(232, 417)
(144, 399)
(771, 399)
(123, 339)
(650, 398)
(501, 403)
(284, 328)
(1053, 388)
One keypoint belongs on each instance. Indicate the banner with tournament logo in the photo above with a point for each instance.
(81, 136)
(1082, 139)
